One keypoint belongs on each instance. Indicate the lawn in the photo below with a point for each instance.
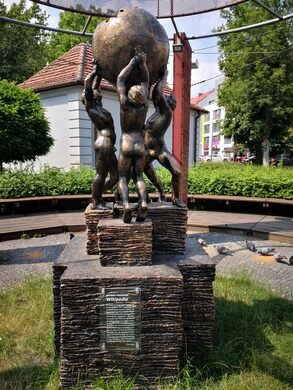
(253, 341)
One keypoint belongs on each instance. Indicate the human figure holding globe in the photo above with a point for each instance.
(155, 129)
(106, 161)
(133, 109)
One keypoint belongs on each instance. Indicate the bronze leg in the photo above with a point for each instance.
(169, 162)
(124, 166)
(150, 173)
(102, 165)
(138, 168)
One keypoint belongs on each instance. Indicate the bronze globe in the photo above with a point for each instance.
(115, 40)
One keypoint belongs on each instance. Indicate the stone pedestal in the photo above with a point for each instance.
(124, 243)
(169, 314)
(169, 227)
(92, 218)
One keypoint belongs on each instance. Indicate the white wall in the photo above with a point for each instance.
(73, 132)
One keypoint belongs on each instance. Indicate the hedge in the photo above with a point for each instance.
(204, 178)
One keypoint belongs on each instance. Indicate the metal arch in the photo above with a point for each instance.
(85, 34)
(47, 3)
(41, 27)
(244, 28)
(267, 8)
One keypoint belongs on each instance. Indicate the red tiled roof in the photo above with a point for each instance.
(201, 96)
(71, 69)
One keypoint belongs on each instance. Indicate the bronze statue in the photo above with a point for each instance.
(106, 161)
(155, 129)
(133, 109)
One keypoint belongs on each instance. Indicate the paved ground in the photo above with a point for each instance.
(278, 277)
(22, 259)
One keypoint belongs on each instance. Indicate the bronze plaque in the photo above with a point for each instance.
(120, 318)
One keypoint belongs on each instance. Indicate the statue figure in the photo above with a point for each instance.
(155, 129)
(106, 161)
(133, 109)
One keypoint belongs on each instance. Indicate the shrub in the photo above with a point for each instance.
(204, 178)
(24, 129)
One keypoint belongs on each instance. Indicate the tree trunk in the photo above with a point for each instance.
(266, 152)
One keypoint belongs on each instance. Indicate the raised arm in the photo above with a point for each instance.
(137, 61)
(122, 79)
(144, 72)
(158, 95)
(88, 93)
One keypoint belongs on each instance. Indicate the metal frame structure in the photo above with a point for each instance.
(279, 18)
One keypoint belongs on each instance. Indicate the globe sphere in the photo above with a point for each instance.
(115, 40)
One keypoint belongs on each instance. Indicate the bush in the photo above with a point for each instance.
(24, 129)
(204, 178)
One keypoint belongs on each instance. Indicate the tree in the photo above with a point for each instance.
(257, 92)
(60, 43)
(24, 129)
(22, 49)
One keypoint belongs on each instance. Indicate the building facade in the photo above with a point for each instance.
(212, 144)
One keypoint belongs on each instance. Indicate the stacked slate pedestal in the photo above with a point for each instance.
(176, 300)
(122, 243)
(92, 218)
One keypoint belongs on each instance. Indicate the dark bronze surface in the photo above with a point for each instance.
(133, 109)
(155, 129)
(115, 40)
(106, 161)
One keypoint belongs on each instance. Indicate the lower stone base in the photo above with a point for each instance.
(122, 244)
(173, 316)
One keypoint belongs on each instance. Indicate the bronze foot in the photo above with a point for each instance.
(177, 202)
(127, 216)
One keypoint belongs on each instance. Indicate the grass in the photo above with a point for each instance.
(253, 342)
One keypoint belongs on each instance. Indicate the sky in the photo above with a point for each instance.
(204, 49)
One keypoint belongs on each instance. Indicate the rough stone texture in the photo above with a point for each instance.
(92, 218)
(125, 243)
(169, 227)
(176, 305)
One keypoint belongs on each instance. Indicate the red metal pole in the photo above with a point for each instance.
(181, 118)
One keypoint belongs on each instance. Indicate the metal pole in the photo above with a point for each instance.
(244, 28)
(86, 24)
(40, 27)
(269, 9)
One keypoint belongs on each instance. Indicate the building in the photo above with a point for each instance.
(60, 85)
(212, 143)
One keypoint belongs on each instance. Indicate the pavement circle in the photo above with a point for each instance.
(23, 259)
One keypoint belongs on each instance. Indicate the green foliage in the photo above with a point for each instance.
(24, 129)
(204, 178)
(257, 90)
(61, 43)
(22, 49)
(252, 344)
(241, 180)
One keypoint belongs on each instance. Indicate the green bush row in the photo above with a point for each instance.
(204, 178)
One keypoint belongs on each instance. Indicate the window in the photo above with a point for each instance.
(206, 129)
(227, 140)
(206, 140)
(215, 128)
(206, 117)
(217, 114)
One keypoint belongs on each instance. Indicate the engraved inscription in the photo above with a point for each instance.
(120, 318)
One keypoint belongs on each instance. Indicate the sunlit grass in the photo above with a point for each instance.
(253, 342)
